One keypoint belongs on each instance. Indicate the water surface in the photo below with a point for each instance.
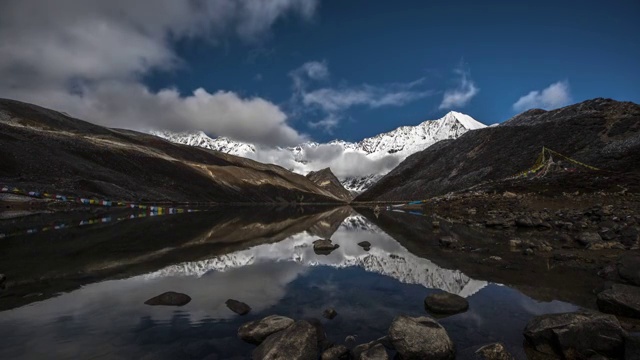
(89, 302)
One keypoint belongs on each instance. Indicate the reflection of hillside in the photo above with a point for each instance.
(57, 261)
(386, 257)
(532, 275)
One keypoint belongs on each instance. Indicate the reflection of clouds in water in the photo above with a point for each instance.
(387, 257)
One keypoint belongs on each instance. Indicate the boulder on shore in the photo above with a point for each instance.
(445, 303)
(255, 332)
(623, 300)
(170, 298)
(297, 342)
(576, 335)
(420, 338)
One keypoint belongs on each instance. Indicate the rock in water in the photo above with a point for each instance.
(170, 298)
(420, 338)
(629, 268)
(495, 351)
(338, 352)
(324, 246)
(445, 303)
(365, 245)
(576, 335)
(297, 342)
(623, 300)
(257, 331)
(238, 307)
(330, 313)
(376, 352)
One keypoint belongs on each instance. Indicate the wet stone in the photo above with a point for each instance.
(376, 352)
(445, 303)
(420, 338)
(329, 313)
(297, 342)
(495, 351)
(338, 352)
(238, 307)
(257, 331)
(169, 298)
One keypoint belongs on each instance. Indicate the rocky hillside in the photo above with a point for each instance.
(45, 150)
(325, 179)
(601, 132)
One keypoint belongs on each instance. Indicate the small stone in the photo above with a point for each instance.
(495, 351)
(170, 298)
(337, 352)
(448, 242)
(238, 307)
(365, 245)
(527, 252)
(586, 238)
(446, 303)
(324, 246)
(376, 352)
(435, 224)
(329, 313)
(524, 222)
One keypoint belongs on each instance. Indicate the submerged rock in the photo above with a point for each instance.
(324, 246)
(238, 307)
(338, 352)
(257, 331)
(495, 351)
(445, 303)
(420, 338)
(576, 335)
(623, 300)
(297, 342)
(170, 298)
(330, 313)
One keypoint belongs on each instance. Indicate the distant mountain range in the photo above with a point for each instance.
(379, 153)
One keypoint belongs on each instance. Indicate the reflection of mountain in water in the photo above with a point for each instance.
(386, 257)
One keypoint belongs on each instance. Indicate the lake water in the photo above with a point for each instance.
(78, 292)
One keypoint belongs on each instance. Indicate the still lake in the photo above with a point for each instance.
(78, 292)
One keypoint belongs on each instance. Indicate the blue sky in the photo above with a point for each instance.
(378, 64)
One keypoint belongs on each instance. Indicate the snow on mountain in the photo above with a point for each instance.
(386, 257)
(358, 165)
(201, 139)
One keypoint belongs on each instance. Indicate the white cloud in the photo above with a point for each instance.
(332, 102)
(462, 94)
(86, 57)
(554, 96)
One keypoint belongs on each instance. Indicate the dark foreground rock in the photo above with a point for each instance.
(623, 300)
(330, 313)
(238, 307)
(376, 352)
(256, 332)
(324, 246)
(297, 342)
(576, 335)
(338, 352)
(170, 298)
(445, 303)
(420, 338)
(3, 279)
(495, 351)
(629, 268)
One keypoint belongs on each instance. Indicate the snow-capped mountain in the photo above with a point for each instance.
(201, 139)
(358, 165)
